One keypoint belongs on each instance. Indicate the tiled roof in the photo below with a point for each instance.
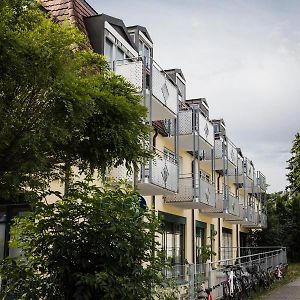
(73, 10)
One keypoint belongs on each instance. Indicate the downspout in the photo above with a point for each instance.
(219, 237)
(154, 146)
(219, 220)
(154, 138)
(194, 237)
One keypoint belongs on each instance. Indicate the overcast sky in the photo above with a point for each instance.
(243, 56)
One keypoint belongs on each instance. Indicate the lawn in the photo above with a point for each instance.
(293, 273)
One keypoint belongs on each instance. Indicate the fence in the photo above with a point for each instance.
(190, 277)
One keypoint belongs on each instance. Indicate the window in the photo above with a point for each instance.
(108, 51)
(226, 243)
(181, 87)
(144, 52)
(132, 35)
(119, 54)
(172, 240)
(216, 128)
(200, 242)
(7, 214)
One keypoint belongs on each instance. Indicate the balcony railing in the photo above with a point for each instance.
(157, 177)
(261, 181)
(248, 169)
(263, 220)
(225, 149)
(250, 217)
(193, 126)
(197, 193)
(160, 91)
(227, 206)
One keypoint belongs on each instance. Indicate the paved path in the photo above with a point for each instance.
(290, 291)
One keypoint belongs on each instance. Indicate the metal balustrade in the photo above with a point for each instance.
(250, 217)
(157, 176)
(225, 156)
(261, 181)
(193, 126)
(191, 277)
(227, 206)
(194, 192)
(132, 69)
(161, 94)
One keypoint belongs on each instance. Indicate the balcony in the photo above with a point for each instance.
(159, 91)
(227, 206)
(246, 176)
(262, 218)
(225, 149)
(250, 217)
(194, 193)
(158, 176)
(195, 131)
(261, 180)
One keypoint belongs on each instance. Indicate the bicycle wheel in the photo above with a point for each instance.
(226, 291)
(246, 286)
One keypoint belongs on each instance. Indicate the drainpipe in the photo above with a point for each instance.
(219, 237)
(154, 146)
(154, 138)
(194, 236)
(237, 241)
(153, 203)
(218, 182)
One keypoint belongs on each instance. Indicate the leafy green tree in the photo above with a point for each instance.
(60, 105)
(93, 244)
(294, 167)
(283, 224)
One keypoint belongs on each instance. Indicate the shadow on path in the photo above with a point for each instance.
(291, 291)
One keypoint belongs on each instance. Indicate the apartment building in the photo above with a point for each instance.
(206, 191)
(200, 183)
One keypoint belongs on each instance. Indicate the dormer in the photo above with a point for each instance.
(219, 128)
(142, 41)
(110, 37)
(201, 103)
(178, 78)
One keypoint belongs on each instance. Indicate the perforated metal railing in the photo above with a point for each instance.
(233, 204)
(164, 171)
(194, 190)
(161, 171)
(163, 88)
(132, 69)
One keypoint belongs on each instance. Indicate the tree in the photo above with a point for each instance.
(60, 105)
(283, 224)
(93, 244)
(294, 167)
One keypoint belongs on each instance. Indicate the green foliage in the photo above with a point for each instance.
(94, 244)
(59, 103)
(283, 211)
(283, 224)
(294, 167)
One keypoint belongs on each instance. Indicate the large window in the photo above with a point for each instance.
(108, 50)
(7, 213)
(226, 243)
(172, 239)
(200, 241)
(144, 52)
(119, 54)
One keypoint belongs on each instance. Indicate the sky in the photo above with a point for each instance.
(242, 56)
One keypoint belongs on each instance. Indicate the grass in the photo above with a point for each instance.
(293, 273)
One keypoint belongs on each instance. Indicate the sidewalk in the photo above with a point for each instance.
(290, 291)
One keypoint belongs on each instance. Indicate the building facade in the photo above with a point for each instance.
(200, 183)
